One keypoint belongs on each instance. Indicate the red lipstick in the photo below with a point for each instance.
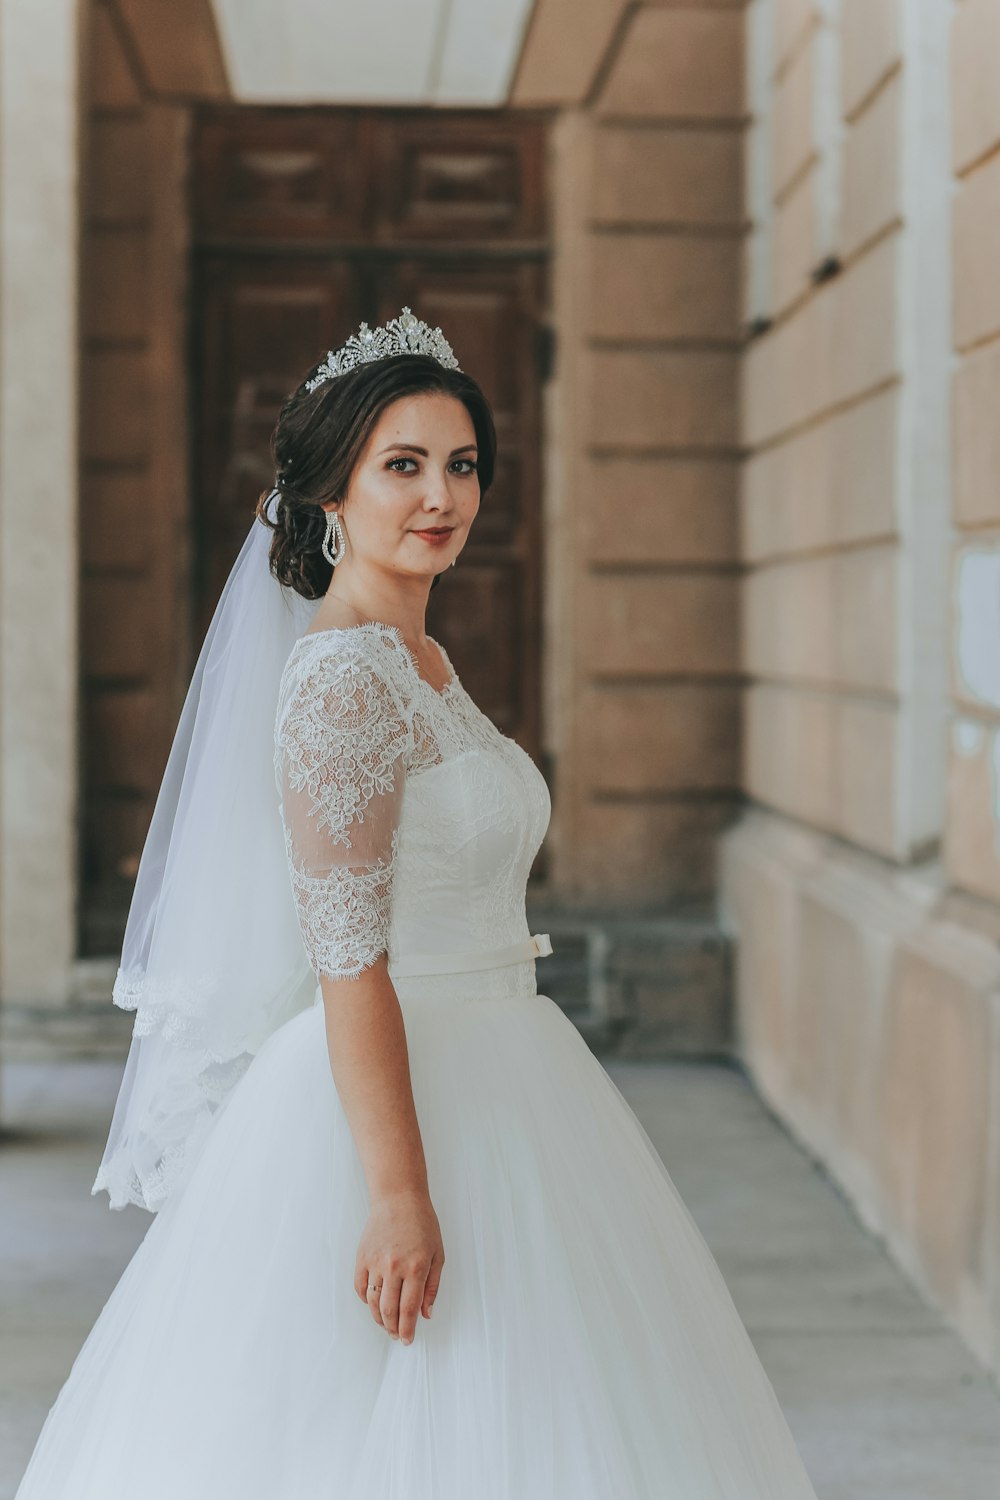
(435, 534)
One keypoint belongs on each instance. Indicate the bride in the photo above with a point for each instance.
(410, 1241)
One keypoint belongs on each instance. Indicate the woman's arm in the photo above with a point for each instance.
(401, 1245)
(342, 745)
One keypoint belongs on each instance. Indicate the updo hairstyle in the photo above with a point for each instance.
(319, 437)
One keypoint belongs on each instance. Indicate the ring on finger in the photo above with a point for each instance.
(376, 1287)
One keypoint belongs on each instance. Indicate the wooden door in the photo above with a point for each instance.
(307, 222)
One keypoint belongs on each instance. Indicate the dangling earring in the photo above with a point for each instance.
(334, 530)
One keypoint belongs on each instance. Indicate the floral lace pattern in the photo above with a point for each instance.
(341, 737)
(410, 820)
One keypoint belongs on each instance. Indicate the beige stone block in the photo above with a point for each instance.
(114, 406)
(865, 338)
(648, 855)
(115, 291)
(824, 620)
(125, 724)
(829, 920)
(112, 83)
(785, 373)
(834, 1041)
(887, 1017)
(979, 1318)
(976, 255)
(661, 286)
(871, 46)
(834, 483)
(789, 751)
(661, 399)
(109, 536)
(975, 597)
(935, 1105)
(788, 621)
(976, 431)
(825, 759)
(179, 48)
(646, 624)
(873, 169)
(649, 175)
(794, 243)
(650, 624)
(975, 47)
(792, 143)
(868, 754)
(108, 650)
(841, 343)
(659, 738)
(759, 896)
(866, 610)
(119, 167)
(549, 71)
(660, 510)
(793, 20)
(678, 64)
(972, 830)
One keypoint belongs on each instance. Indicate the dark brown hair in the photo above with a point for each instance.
(319, 437)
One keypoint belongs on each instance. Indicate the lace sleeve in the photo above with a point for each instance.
(340, 743)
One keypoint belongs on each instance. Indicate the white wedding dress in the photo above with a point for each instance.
(583, 1345)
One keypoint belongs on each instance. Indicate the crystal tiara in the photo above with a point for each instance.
(406, 334)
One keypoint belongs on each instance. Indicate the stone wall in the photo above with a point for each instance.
(38, 522)
(92, 275)
(642, 590)
(861, 889)
(135, 521)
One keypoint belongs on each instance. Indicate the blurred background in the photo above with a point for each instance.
(729, 275)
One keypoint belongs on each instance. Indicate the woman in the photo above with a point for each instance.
(412, 1244)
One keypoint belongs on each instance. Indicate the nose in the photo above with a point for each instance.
(436, 492)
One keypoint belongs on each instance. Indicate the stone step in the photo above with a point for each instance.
(640, 986)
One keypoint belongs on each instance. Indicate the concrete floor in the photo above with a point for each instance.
(884, 1401)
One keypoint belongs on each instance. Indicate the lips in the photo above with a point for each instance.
(435, 531)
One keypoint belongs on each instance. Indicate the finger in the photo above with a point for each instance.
(373, 1297)
(409, 1306)
(389, 1302)
(361, 1282)
(432, 1284)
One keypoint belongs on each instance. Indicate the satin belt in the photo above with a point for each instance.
(537, 946)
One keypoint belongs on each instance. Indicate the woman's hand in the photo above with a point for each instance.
(400, 1248)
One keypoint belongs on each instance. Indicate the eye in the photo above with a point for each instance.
(471, 465)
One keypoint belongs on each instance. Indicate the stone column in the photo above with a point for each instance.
(39, 83)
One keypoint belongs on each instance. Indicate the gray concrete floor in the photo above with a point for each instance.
(884, 1401)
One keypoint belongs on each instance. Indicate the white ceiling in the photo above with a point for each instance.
(371, 51)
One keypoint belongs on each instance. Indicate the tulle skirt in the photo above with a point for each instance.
(583, 1345)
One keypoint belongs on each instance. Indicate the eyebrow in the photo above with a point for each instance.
(412, 448)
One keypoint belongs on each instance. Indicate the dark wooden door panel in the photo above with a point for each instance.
(297, 175)
(264, 322)
(443, 211)
(443, 180)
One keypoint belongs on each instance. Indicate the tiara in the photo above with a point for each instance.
(406, 334)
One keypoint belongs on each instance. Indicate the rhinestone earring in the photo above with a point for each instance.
(334, 531)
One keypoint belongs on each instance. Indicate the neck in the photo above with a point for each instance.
(358, 593)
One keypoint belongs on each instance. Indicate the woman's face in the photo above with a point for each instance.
(416, 474)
